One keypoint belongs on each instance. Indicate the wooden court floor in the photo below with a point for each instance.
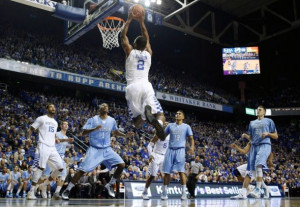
(273, 202)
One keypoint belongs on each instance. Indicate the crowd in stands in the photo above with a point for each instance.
(19, 109)
(48, 51)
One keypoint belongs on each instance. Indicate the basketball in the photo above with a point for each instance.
(137, 11)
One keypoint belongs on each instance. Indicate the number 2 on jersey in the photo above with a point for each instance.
(140, 65)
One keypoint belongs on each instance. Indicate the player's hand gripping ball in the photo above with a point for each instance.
(137, 11)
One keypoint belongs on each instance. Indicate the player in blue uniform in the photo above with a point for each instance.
(16, 181)
(27, 180)
(175, 155)
(99, 129)
(5, 182)
(260, 132)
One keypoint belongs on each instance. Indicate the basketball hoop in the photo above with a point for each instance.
(110, 28)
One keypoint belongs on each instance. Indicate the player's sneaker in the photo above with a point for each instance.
(250, 189)
(267, 192)
(164, 197)
(145, 196)
(65, 195)
(110, 189)
(239, 196)
(256, 193)
(184, 197)
(17, 195)
(9, 195)
(30, 196)
(154, 122)
(24, 195)
(44, 191)
(56, 196)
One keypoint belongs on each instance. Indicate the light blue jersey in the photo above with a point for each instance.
(26, 175)
(61, 147)
(178, 134)
(258, 127)
(4, 177)
(101, 138)
(15, 176)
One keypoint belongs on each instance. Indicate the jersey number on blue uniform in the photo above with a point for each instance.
(140, 65)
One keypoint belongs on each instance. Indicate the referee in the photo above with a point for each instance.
(196, 168)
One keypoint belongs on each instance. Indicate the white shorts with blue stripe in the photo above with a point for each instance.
(138, 95)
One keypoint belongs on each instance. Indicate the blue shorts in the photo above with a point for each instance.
(48, 171)
(3, 186)
(94, 157)
(174, 160)
(258, 156)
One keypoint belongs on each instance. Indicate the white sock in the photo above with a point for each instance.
(57, 189)
(244, 191)
(165, 187)
(145, 190)
(183, 187)
(112, 181)
(70, 186)
(258, 184)
(263, 184)
(18, 191)
(32, 189)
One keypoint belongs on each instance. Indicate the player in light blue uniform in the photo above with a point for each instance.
(5, 184)
(99, 129)
(27, 180)
(62, 141)
(260, 131)
(16, 182)
(175, 155)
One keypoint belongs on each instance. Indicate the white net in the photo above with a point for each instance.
(110, 28)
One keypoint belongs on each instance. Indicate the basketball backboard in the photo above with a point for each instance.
(96, 10)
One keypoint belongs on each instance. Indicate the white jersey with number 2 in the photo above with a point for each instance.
(137, 66)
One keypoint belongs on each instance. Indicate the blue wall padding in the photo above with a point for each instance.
(69, 13)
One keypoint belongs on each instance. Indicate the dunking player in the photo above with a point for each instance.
(61, 145)
(99, 129)
(260, 131)
(141, 100)
(47, 152)
(243, 175)
(175, 155)
(157, 150)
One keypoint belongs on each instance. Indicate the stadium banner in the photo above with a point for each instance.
(193, 102)
(36, 70)
(134, 189)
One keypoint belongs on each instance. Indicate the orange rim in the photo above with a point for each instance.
(111, 18)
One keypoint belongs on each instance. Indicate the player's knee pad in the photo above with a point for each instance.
(36, 175)
(236, 173)
(55, 174)
(259, 171)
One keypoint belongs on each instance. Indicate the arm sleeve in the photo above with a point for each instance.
(88, 124)
(189, 131)
(37, 123)
(114, 128)
(272, 127)
(167, 129)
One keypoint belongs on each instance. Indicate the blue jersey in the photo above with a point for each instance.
(15, 176)
(26, 175)
(257, 127)
(4, 177)
(61, 147)
(101, 138)
(178, 134)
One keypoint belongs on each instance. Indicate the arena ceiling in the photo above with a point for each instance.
(232, 22)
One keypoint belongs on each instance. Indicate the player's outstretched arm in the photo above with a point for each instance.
(124, 39)
(145, 34)
(29, 132)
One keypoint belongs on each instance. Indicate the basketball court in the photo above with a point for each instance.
(273, 202)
